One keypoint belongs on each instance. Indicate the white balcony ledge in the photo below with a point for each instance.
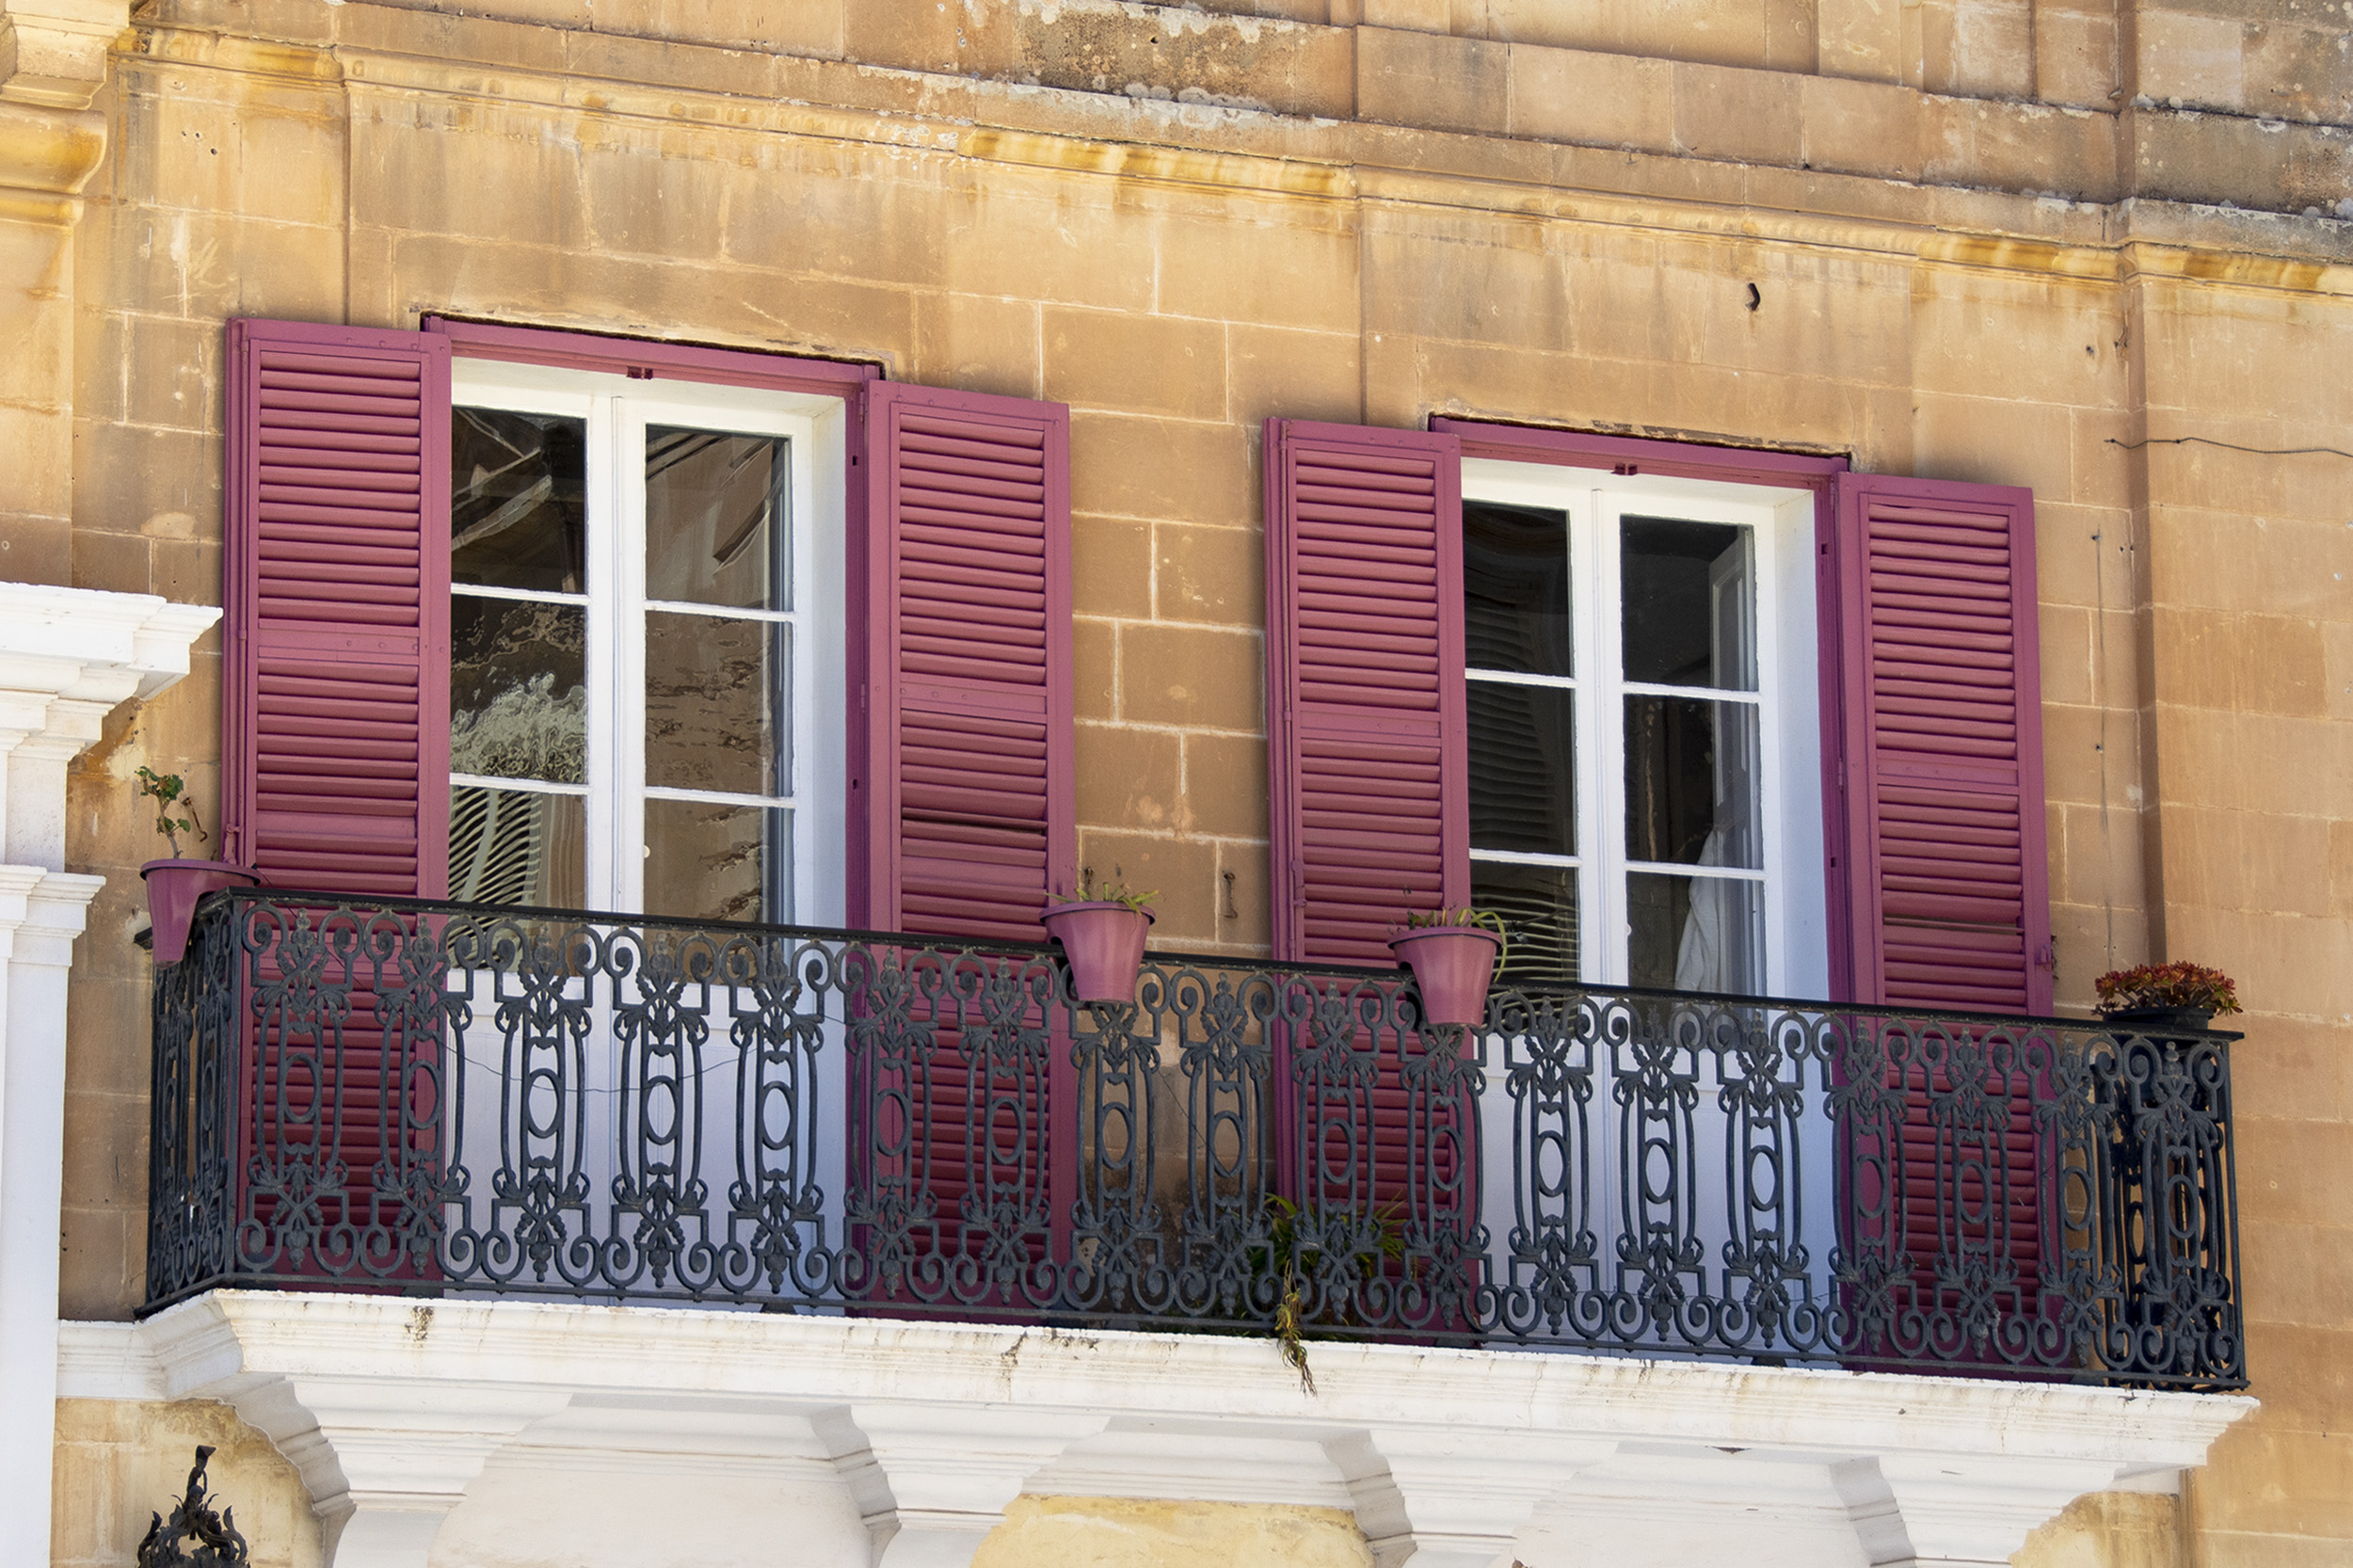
(430, 1433)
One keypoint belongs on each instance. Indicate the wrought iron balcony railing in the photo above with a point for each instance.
(446, 1098)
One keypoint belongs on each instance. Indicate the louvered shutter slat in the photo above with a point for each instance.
(1943, 756)
(967, 679)
(338, 704)
(1364, 702)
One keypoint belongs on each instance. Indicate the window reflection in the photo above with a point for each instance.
(1523, 772)
(516, 847)
(1539, 908)
(518, 515)
(518, 698)
(715, 517)
(1515, 588)
(1686, 596)
(1695, 932)
(1691, 781)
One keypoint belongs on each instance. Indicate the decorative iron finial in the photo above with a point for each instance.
(197, 1537)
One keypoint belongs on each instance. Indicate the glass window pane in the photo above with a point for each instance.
(513, 846)
(1690, 782)
(715, 519)
(1539, 908)
(1523, 768)
(1688, 604)
(1515, 588)
(518, 488)
(714, 703)
(712, 862)
(518, 702)
(1695, 933)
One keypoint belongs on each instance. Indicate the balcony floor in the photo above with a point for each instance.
(430, 1433)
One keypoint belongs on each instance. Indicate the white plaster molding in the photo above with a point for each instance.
(107, 1361)
(1926, 1510)
(68, 657)
(932, 1429)
(1453, 1497)
(386, 1461)
(931, 1483)
(1205, 1461)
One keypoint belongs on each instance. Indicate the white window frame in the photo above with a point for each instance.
(617, 410)
(1787, 699)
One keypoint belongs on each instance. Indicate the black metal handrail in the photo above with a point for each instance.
(475, 1101)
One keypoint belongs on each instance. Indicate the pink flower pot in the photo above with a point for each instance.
(173, 888)
(1104, 943)
(1452, 965)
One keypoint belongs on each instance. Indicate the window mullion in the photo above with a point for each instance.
(628, 706)
(1601, 782)
(604, 660)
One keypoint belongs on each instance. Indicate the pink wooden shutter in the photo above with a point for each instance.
(962, 814)
(336, 758)
(962, 803)
(1366, 751)
(1366, 720)
(335, 761)
(1941, 769)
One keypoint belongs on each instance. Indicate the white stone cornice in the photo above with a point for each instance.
(56, 908)
(107, 1361)
(68, 657)
(52, 639)
(837, 1360)
(53, 53)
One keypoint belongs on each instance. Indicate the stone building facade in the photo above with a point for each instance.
(2099, 249)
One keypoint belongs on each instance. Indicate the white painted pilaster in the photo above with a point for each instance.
(67, 657)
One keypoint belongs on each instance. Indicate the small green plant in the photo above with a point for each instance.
(2182, 984)
(1115, 891)
(1285, 1253)
(175, 809)
(1463, 915)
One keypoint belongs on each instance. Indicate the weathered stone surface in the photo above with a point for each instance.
(1183, 220)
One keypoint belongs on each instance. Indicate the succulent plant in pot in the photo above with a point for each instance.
(2179, 995)
(1101, 929)
(1455, 954)
(176, 882)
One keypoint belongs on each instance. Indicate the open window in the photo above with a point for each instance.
(550, 617)
(1699, 718)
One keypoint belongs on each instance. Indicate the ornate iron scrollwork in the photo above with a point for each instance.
(196, 1536)
(438, 1097)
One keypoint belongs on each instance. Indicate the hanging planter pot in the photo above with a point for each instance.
(1103, 941)
(1452, 966)
(173, 888)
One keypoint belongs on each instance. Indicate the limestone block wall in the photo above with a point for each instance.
(123, 1462)
(1466, 208)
